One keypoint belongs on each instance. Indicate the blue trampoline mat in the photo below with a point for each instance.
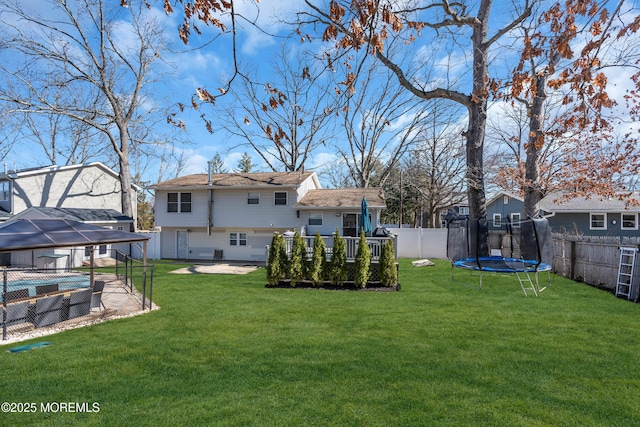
(498, 264)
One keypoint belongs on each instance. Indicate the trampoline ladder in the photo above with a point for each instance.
(625, 272)
(526, 283)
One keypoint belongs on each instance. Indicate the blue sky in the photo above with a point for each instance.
(210, 66)
(206, 67)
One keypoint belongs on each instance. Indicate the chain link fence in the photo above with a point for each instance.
(33, 298)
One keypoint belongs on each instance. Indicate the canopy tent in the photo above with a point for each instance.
(31, 234)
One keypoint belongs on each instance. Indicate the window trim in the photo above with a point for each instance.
(635, 221)
(497, 220)
(255, 199)
(516, 223)
(179, 202)
(275, 198)
(171, 203)
(184, 203)
(5, 191)
(315, 216)
(604, 220)
(237, 238)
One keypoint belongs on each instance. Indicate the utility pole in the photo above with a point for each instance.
(401, 199)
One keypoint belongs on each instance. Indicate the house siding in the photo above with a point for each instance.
(85, 186)
(329, 222)
(579, 223)
(201, 245)
(230, 208)
(498, 206)
(200, 235)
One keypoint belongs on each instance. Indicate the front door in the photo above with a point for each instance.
(182, 245)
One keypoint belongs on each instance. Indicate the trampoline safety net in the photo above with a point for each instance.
(526, 247)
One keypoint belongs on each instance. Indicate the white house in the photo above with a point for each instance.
(233, 216)
(88, 185)
(87, 192)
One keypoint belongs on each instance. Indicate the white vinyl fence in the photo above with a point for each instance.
(153, 245)
(421, 242)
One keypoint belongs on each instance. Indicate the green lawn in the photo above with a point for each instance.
(224, 350)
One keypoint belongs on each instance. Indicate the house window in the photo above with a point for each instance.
(281, 198)
(315, 218)
(629, 221)
(181, 200)
(102, 250)
(185, 202)
(172, 202)
(515, 220)
(253, 198)
(238, 239)
(4, 191)
(463, 210)
(598, 221)
(497, 220)
(505, 200)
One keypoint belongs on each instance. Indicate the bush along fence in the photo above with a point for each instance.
(319, 266)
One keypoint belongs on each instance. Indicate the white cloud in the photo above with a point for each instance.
(320, 160)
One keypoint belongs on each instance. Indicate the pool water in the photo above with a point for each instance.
(64, 283)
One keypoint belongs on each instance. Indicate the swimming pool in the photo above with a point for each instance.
(63, 282)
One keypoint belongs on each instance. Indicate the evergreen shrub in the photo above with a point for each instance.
(338, 266)
(362, 266)
(318, 267)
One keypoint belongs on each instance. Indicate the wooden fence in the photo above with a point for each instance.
(593, 260)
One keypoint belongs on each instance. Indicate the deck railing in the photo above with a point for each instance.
(351, 243)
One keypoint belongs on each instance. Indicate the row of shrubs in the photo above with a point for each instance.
(297, 268)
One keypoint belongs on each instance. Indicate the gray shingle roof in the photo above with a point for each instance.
(556, 203)
(83, 215)
(342, 198)
(253, 179)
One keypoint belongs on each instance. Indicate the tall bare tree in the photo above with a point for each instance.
(286, 125)
(89, 60)
(370, 25)
(373, 25)
(436, 167)
(381, 122)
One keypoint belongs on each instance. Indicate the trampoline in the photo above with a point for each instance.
(498, 264)
(525, 249)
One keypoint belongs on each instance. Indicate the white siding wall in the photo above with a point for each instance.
(305, 186)
(201, 246)
(83, 187)
(329, 223)
(196, 218)
(230, 209)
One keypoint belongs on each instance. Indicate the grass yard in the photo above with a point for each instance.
(223, 350)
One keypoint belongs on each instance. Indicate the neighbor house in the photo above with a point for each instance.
(504, 208)
(233, 216)
(87, 192)
(88, 185)
(594, 216)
